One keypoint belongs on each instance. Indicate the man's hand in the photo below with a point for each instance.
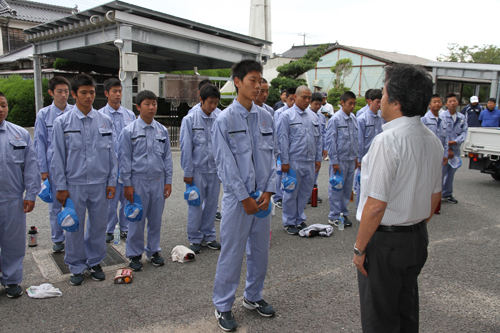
(61, 196)
(28, 206)
(445, 160)
(359, 261)
(264, 201)
(250, 205)
(45, 175)
(285, 168)
(128, 193)
(452, 143)
(325, 153)
(336, 168)
(110, 191)
(318, 166)
(167, 190)
(188, 180)
(450, 154)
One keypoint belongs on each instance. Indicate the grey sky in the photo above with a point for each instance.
(423, 28)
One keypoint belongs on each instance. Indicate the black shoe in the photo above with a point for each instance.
(156, 259)
(196, 248)
(76, 279)
(97, 273)
(451, 199)
(58, 247)
(301, 226)
(135, 263)
(218, 216)
(213, 245)
(309, 201)
(226, 320)
(347, 222)
(320, 200)
(109, 238)
(292, 230)
(13, 290)
(124, 234)
(261, 306)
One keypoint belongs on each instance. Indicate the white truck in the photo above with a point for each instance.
(482, 147)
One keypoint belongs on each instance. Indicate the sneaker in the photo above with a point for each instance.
(218, 216)
(347, 222)
(451, 199)
(135, 263)
(301, 226)
(124, 234)
(261, 306)
(196, 248)
(76, 279)
(97, 273)
(291, 229)
(58, 247)
(320, 200)
(13, 290)
(226, 320)
(334, 222)
(109, 238)
(279, 204)
(156, 259)
(213, 245)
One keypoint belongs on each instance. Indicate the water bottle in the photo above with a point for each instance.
(341, 222)
(314, 197)
(116, 235)
(32, 235)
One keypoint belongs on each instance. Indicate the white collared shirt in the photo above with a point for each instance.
(402, 168)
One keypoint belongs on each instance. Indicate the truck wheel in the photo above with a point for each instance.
(496, 176)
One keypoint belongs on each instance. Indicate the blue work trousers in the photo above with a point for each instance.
(448, 176)
(357, 186)
(294, 203)
(117, 203)
(87, 247)
(12, 241)
(57, 233)
(201, 219)
(240, 232)
(152, 197)
(340, 199)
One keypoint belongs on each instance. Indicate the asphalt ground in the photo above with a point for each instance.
(311, 282)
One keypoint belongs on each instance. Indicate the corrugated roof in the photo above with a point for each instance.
(389, 57)
(32, 11)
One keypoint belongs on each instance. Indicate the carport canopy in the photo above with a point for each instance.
(163, 42)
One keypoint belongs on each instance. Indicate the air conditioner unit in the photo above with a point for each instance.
(318, 84)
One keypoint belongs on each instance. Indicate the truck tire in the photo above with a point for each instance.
(496, 176)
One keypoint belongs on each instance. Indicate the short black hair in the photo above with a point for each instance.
(316, 97)
(57, 80)
(81, 80)
(264, 80)
(110, 83)
(203, 83)
(375, 94)
(367, 94)
(242, 68)
(410, 86)
(209, 90)
(290, 91)
(347, 96)
(283, 91)
(143, 95)
(450, 95)
(435, 96)
(492, 100)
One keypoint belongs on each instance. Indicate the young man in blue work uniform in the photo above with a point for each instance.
(299, 139)
(342, 144)
(121, 117)
(146, 169)
(59, 90)
(457, 132)
(290, 100)
(367, 106)
(315, 107)
(243, 139)
(20, 172)
(369, 125)
(84, 169)
(491, 116)
(262, 98)
(436, 124)
(197, 161)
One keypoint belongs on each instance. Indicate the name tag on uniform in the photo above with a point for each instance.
(105, 131)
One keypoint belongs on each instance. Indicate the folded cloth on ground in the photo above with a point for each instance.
(315, 229)
(180, 253)
(45, 290)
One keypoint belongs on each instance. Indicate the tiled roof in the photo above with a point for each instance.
(32, 11)
(389, 57)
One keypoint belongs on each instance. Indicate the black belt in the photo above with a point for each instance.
(398, 228)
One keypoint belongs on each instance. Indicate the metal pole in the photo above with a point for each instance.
(37, 68)
(126, 35)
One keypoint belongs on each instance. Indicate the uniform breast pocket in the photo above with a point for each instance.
(105, 138)
(17, 150)
(160, 144)
(239, 143)
(199, 137)
(369, 131)
(315, 131)
(73, 139)
(296, 130)
(343, 133)
(139, 143)
(266, 139)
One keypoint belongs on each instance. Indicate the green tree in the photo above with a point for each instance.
(341, 69)
(80, 67)
(486, 54)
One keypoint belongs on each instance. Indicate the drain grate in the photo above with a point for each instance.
(113, 257)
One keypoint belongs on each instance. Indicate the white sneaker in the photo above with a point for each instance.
(334, 222)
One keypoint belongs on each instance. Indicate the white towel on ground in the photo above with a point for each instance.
(323, 230)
